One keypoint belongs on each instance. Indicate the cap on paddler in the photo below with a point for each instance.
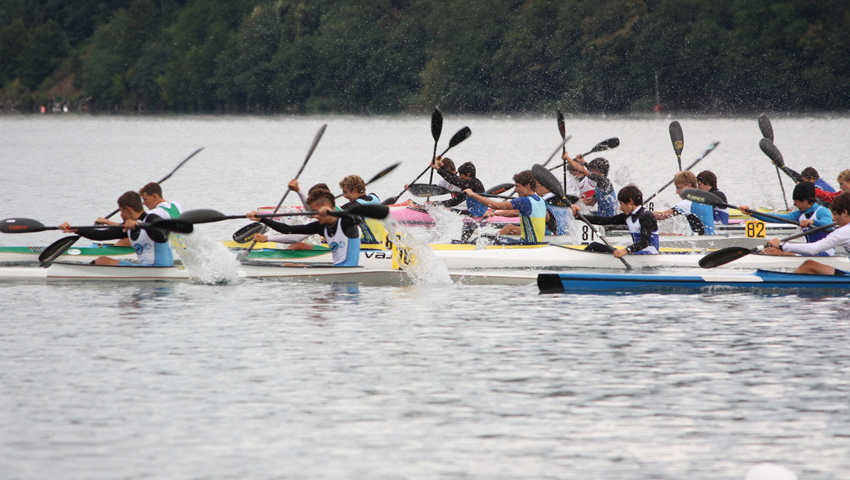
(804, 191)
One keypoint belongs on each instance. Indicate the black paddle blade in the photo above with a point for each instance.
(604, 145)
(458, 137)
(765, 127)
(426, 190)
(246, 233)
(701, 196)
(389, 201)
(202, 215)
(677, 137)
(500, 188)
(57, 248)
(368, 210)
(383, 172)
(547, 179)
(21, 225)
(562, 127)
(772, 152)
(436, 124)
(724, 256)
(174, 225)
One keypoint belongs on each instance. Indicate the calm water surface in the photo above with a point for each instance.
(265, 379)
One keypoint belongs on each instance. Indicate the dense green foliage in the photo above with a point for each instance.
(369, 56)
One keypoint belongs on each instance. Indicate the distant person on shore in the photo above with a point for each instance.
(700, 216)
(840, 237)
(707, 181)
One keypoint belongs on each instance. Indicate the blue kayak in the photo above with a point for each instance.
(642, 282)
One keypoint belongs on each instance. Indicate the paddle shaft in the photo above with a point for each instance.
(458, 137)
(704, 154)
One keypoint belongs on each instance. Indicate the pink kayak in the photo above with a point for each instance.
(410, 215)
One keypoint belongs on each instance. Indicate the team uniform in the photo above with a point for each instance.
(839, 237)
(150, 244)
(461, 201)
(697, 211)
(557, 225)
(821, 216)
(532, 217)
(371, 230)
(343, 238)
(821, 184)
(721, 214)
(643, 228)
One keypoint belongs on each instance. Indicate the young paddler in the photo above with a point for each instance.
(295, 241)
(341, 234)
(700, 216)
(354, 190)
(151, 244)
(840, 237)
(531, 208)
(153, 201)
(642, 225)
(463, 179)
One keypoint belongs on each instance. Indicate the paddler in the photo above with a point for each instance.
(295, 241)
(700, 216)
(594, 184)
(465, 178)
(530, 207)
(153, 201)
(843, 183)
(707, 181)
(151, 244)
(809, 214)
(840, 237)
(642, 225)
(341, 234)
(354, 190)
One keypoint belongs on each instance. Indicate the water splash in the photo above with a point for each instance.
(415, 256)
(448, 225)
(206, 260)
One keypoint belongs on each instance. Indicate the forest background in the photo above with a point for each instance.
(388, 56)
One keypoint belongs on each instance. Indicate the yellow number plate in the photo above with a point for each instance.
(755, 229)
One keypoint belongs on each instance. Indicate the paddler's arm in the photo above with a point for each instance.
(94, 233)
(576, 163)
(308, 229)
(489, 202)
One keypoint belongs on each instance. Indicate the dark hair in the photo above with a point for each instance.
(804, 191)
(707, 177)
(152, 188)
(598, 164)
(318, 186)
(809, 172)
(449, 165)
(841, 203)
(630, 192)
(320, 195)
(467, 169)
(526, 178)
(131, 200)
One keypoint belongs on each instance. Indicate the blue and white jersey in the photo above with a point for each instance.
(345, 251)
(705, 213)
(149, 251)
(633, 222)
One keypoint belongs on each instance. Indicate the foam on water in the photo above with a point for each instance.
(206, 260)
(448, 225)
(426, 268)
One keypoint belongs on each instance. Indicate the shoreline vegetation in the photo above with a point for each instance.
(370, 57)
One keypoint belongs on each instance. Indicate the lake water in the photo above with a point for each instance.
(265, 379)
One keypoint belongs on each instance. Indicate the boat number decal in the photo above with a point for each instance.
(755, 229)
(587, 234)
(650, 206)
(402, 256)
(74, 251)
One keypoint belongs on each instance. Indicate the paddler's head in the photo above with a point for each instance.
(630, 198)
(353, 187)
(524, 183)
(684, 179)
(322, 201)
(151, 195)
(467, 170)
(130, 205)
(841, 209)
(804, 196)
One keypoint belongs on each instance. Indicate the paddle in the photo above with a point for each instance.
(206, 215)
(773, 154)
(730, 254)
(28, 225)
(708, 198)
(767, 132)
(548, 180)
(599, 147)
(706, 152)
(380, 175)
(436, 130)
(257, 227)
(678, 139)
(425, 190)
(458, 137)
(500, 188)
(562, 129)
(57, 248)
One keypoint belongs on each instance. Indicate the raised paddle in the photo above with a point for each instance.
(730, 254)
(678, 139)
(379, 175)
(775, 156)
(57, 248)
(562, 129)
(548, 180)
(206, 215)
(706, 152)
(436, 130)
(28, 225)
(767, 132)
(599, 147)
(708, 198)
(500, 188)
(458, 137)
(257, 227)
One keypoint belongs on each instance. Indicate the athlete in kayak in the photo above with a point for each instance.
(642, 225)
(353, 187)
(840, 237)
(700, 216)
(151, 244)
(341, 234)
(595, 181)
(707, 181)
(531, 208)
(463, 179)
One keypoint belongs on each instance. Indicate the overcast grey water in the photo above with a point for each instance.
(269, 380)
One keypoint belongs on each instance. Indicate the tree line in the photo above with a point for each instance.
(385, 56)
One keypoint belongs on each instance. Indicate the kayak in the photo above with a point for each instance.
(410, 215)
(636, 283)
(29, 254)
